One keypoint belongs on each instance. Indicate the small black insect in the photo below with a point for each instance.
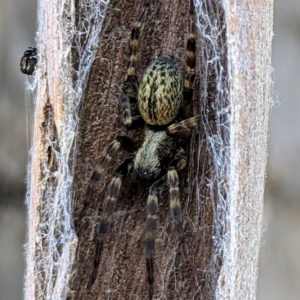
(29, 61)
(164, 98)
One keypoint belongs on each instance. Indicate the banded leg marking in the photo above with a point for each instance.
(188, 86)
(157, 187)
(125, 111)
(175, 208)
(127, 119)
(183, 125)
(151, 229)
(113, 191)
(121, 141)
(150, 235)
(134, 41)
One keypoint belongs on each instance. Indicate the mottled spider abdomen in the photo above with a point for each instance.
(160, 92)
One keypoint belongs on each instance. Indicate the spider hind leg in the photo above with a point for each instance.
(151, 229)
(149, 242)
(170, 179)
(175, 207)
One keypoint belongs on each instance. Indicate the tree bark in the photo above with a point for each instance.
(80, 82)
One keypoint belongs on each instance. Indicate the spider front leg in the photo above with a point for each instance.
(120, 142)
(170, 179)
(113, 191)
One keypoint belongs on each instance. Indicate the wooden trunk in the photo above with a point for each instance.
(221, 188)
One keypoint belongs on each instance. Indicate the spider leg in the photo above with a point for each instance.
(151, 228)
(175, 208)
(129, 121)
(190, 64)
(182, 126)
(120, 142)
(131, 81)
(178, 163)
(125, 111)
(134, 41)
(113, 191)
(149, 242)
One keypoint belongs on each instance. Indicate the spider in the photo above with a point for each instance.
(163, 98)
(28, 61)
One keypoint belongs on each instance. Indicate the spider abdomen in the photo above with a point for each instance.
(160, 92)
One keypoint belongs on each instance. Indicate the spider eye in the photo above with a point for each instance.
(147, 175)
(142, 174)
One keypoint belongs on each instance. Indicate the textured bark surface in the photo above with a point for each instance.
(122, 272)
(249, 32)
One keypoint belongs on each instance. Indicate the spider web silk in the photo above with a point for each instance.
(214, 100)
(235, 53)
(51, 238)
(249, 37)
(234, 59)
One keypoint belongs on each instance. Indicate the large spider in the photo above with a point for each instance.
(164, 99)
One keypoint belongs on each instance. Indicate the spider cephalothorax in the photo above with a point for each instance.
(154, 154)
(163, 99)
(29, 61)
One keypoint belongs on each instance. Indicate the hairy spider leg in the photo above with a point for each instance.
(127, 120)
(175, 207)
(125, 111)
(134, 41)
(188, 85)
(183, 125)
(131, 80)
(172, 181)
(113, 191)
(150, 234)
(179, 163)
(151, 229)
(120, 142)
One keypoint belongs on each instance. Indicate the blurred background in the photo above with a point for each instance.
(17, 32)
(279, 270)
